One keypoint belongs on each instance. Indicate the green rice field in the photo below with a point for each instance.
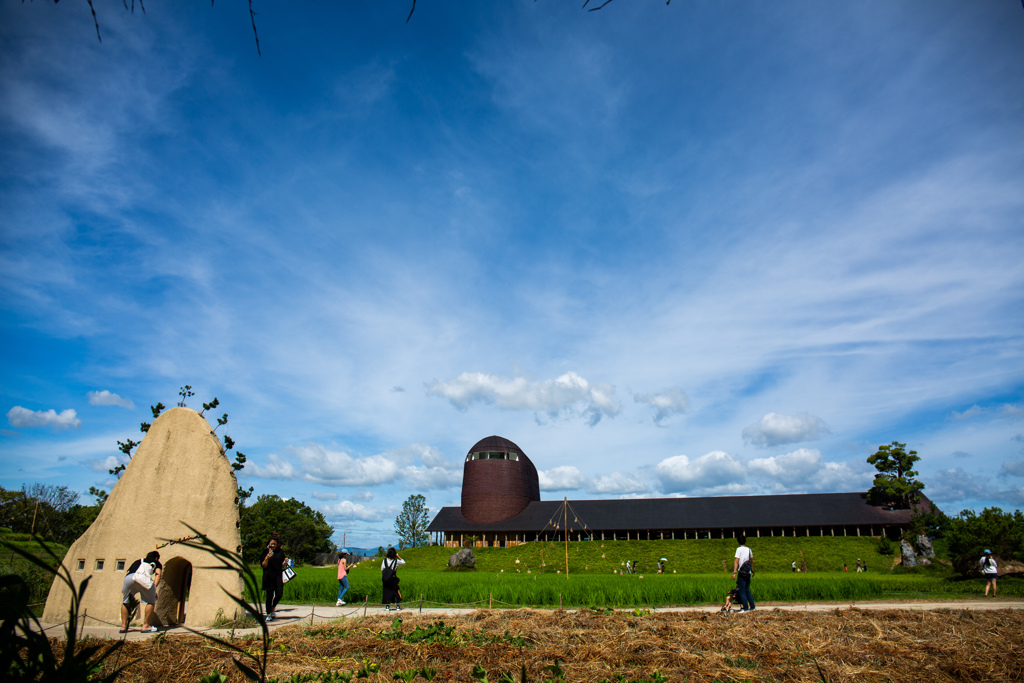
(533, 575)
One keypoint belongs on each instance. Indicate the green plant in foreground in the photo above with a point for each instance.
(256, 670)
(25, 651)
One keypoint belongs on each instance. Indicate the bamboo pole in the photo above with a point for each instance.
(565, 526)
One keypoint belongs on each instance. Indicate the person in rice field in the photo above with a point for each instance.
(391, 593)
(742, 571)
(343, 567)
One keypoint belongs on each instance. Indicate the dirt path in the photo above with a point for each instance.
(319, 614)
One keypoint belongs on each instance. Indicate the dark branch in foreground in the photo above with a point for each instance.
(252, 15)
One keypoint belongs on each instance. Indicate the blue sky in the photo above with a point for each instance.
(706, 248)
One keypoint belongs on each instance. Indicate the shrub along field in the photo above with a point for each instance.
(534, 575)
(10, 563)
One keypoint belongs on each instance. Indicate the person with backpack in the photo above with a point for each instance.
(742, 570)
(143, 577)
(989, 571)
(391, 594)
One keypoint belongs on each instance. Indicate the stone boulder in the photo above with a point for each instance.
(909, 557)
(924, 547)
(463, 558)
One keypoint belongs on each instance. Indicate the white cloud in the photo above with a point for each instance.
(618, 483)
(106, 398)
(317, 464)
(566, 395)
(347, 510)
(1012, 411)
(804, 470)
(776, 430)
(1012, 468)
(106, 464)
(562, 478)
(972, 412)
(318, 495)
(716, 470)
(324, 466)
(276, 468)
(957, 485)
(667, 404)
(23, 417)
(430, 478)
(567, 478)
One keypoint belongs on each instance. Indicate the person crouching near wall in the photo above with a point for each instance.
(142, 579)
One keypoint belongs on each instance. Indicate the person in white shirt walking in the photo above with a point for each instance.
(742, 570)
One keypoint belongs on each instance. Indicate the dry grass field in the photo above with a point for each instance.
(768, 645)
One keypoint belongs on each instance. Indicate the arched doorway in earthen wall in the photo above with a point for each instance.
(172, 595)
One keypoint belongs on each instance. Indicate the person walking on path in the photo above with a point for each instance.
(742, 570)
(143, 578)
(272, 560)
(391, 594)
(342, 578)
(989, 571)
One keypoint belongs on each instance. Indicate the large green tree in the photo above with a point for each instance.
(895, 484)
(52, 512)
(969, 534)
(411, 523)
(304, 532)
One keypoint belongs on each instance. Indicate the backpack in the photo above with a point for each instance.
(144, 575)
(746, 569)
(389, 576)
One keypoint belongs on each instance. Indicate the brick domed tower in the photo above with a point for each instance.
(498, 481)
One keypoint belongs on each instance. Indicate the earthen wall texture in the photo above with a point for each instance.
(178, 476)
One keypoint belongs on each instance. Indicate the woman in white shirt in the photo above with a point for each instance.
(989, 571)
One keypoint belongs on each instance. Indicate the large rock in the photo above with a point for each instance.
(909, 557)
(179, 475)
(924, 547)
(463, 558)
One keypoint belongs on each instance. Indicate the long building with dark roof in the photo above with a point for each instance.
(501, 507)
